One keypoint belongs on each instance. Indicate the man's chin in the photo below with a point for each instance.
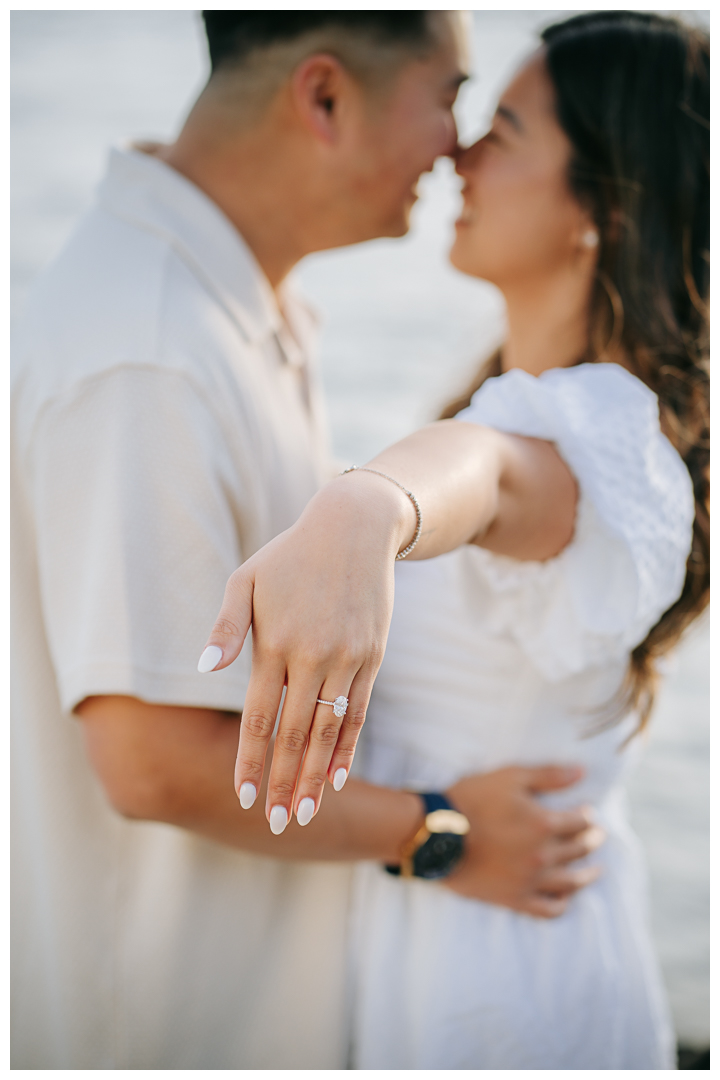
(402, 229)
(389, 228)
(399, 225)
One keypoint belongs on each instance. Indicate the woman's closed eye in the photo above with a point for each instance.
(497, 139)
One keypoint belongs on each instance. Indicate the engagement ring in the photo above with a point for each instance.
(338, 706)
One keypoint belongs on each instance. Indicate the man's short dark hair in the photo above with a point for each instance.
(233, 35)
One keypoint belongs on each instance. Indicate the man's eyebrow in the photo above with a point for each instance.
(510, 116)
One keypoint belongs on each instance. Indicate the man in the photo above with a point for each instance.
(167, 424)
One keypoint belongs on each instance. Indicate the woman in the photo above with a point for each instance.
(568, 504)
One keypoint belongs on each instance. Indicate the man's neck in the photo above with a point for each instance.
(251, 183)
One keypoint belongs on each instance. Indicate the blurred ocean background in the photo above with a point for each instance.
(402, 332)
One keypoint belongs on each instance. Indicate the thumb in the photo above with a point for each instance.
(552, 777)
(232, 624)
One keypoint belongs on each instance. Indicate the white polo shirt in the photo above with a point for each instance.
(166, 425)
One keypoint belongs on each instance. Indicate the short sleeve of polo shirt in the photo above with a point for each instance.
(135, 500)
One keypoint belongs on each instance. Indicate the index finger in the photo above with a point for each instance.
(232, 624)
(568, 823)
(262, 704)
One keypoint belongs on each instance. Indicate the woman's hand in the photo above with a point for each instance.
(319, 598)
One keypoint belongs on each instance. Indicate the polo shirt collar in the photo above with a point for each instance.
(143, 190)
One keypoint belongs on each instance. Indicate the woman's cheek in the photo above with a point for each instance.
(475, 248)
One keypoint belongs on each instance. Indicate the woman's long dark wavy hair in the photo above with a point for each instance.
(633, 96)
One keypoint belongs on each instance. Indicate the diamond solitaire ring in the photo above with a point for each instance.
(338, 706)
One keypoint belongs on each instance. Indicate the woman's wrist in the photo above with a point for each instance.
(369, 507)
(404, 552)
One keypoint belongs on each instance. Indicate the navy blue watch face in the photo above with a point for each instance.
(438, 855)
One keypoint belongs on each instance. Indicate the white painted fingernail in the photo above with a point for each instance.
(305, 811)
(278, 819)
(340, 778)
(248, 795)
(210, 659)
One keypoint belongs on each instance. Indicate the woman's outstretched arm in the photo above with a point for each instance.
(320, 595)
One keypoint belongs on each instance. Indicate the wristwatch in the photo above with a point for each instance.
(437, 846)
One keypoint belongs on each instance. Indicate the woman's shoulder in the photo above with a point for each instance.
(626, 563)
(603, 419)
(583, 392)
(610, 377)
(601, 383)
(599, 397)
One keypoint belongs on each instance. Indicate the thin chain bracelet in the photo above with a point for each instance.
(413, 543)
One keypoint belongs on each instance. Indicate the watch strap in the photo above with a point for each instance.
(432, 800)
(435, 801)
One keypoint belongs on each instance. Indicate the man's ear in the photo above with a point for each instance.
(317, 85)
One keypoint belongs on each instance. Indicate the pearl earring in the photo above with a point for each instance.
(591, 238)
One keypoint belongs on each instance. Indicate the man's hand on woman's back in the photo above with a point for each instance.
(518, 851)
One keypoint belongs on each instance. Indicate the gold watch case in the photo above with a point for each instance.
(438, 821)
(449, 821)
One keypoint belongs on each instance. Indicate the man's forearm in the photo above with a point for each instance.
(360, 822)
(176, 765)
(173, 764)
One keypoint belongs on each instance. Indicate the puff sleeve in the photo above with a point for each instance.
(625, 565)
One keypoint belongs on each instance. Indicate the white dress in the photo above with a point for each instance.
(492, 662)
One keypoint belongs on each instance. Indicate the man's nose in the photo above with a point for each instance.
(466, 156)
